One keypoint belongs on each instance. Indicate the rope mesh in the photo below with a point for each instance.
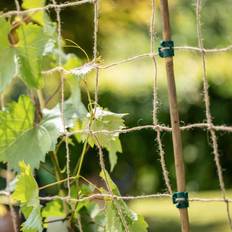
(156, 127)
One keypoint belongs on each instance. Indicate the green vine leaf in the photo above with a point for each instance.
(35, 44)
(27, 193)
(32, 146)
(92, 217)
(20, 139)
(118, 215)
(53, 211)
(87, 211)
(7, 53)
(74, 108)
(71, 62)
(31, 50)
(104, 120)
(17, 118)
(37, 16)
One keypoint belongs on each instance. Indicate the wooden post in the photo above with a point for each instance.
(174, 114)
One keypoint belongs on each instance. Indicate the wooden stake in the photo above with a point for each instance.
(174, 114)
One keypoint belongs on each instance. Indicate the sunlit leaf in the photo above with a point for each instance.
(71, 62)
(32, 146)
(30, 51)
(74, 104)
(14, 120)
(34, 220)
(20, 140)
(53, 209)
(74, 109)
(118, 215)
(27, 193)
(7, 53)
(104, 121)
(37, 16)
(26, 187)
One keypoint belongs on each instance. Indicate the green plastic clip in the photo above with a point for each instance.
(180, 199)
(166, 48)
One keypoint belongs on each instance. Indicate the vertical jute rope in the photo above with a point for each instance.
(155, 102)
(208, 113)
(95, 50)
(101, 155)
(59, 42)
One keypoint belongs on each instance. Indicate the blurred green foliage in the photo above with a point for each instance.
(162, 216)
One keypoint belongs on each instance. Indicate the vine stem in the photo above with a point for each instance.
(79, 164)
(2, 102)
(77, 169)
(72, 178)
(41, 98)
(59, 177)
(55, 162)
(56, 166)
